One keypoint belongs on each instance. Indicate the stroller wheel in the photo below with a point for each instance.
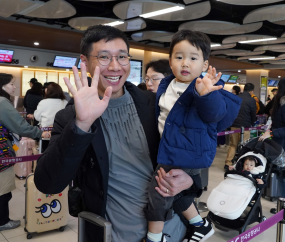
(262, 219)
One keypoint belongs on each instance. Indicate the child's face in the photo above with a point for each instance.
(248, 165)
(187, 62)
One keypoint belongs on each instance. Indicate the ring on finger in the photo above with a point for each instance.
(167, 191)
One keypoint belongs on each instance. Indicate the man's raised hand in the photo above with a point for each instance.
(88, 105)
(207, 84)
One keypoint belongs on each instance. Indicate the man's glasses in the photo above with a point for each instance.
(152, 80)
(105, 58)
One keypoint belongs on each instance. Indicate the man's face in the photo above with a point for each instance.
(187, 62)
(114, 74)
(31, 84)
(154, 79)
(274, 93)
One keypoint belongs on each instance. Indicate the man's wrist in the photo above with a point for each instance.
(82, 125)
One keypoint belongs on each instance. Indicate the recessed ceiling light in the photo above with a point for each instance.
(36, 43)
(26, 67)
(239, 70)
(279, 76)
(256, 40)
(162, 11)
(115, 23)
(262, 58)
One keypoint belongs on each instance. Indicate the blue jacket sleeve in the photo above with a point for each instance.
(211, 107)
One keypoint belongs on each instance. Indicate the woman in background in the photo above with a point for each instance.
(11, 125)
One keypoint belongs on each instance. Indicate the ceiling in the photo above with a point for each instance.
(224, 21)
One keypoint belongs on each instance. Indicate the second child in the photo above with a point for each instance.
(190, 110)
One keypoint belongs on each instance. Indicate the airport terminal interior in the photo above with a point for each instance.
(41, 39)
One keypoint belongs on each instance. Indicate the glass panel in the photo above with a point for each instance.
(61, 81)
(41, 76)
(26, 77)
(52, 77)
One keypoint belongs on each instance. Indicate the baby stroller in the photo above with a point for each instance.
(235, 202)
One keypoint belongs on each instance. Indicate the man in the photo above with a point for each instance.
(109, 141)
(246, 118)
(269, 105)
(31, 83)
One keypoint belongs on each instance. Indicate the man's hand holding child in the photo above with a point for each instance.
(207, 84)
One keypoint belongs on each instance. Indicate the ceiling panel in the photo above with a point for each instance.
(82, 23)
(154, 35)
(220, 27)
(254, 56)
(273, 14)
(235, 39)
(9, 7)
(249, 2)
(275, 48)
(53, 9)
(223, 47)
(236, 52)
(193, 11)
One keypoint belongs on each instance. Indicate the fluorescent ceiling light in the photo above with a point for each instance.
(26, 67)
(160, 12)
(256, 40)
(115, 23)
(33, 7)
(262, 58)
(279, 76)
(215, 45)
(239, 70)
(36, 43)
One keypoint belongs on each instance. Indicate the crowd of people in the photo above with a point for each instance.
(136, 154)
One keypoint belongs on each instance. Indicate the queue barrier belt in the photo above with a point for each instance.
(259, 228)
(13, 160)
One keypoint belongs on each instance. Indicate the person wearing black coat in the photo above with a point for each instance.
(33, 97)
(246, 118)
(78, 146)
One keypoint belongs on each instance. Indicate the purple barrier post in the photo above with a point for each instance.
(280, 225)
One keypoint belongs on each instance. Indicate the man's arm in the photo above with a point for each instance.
(59, 163)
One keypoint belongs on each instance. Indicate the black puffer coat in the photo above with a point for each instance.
(31, 102)
(278, 124)
(247, 113)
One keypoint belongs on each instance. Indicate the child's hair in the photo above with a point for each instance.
(195, 38)
(251, 158)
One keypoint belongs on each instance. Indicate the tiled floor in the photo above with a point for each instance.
(70, 233)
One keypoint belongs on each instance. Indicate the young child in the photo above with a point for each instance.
(190, 112)
(249, 163)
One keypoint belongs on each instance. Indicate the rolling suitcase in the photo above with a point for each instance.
(23, 169)
(271, 189)
(44, 212)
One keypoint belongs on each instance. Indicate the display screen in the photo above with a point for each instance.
(225, 78)
(6, 56)
(276, 83)
(64, 62)
(271, 83)
(233, 79)
(136, 72)
(78, 66)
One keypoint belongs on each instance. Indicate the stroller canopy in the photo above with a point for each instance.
(260, 162)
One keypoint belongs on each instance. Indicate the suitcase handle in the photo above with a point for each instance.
(94, 219)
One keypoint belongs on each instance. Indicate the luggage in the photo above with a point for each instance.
(44, 212)
(204, 178)
(271, 190)
(23, 169)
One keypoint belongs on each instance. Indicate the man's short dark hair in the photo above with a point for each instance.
(98, 32)
(274, 90)
(160, 66)
(248, 87)
(198, 39)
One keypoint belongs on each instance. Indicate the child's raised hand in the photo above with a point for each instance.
(259, 181)
(206, 85)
